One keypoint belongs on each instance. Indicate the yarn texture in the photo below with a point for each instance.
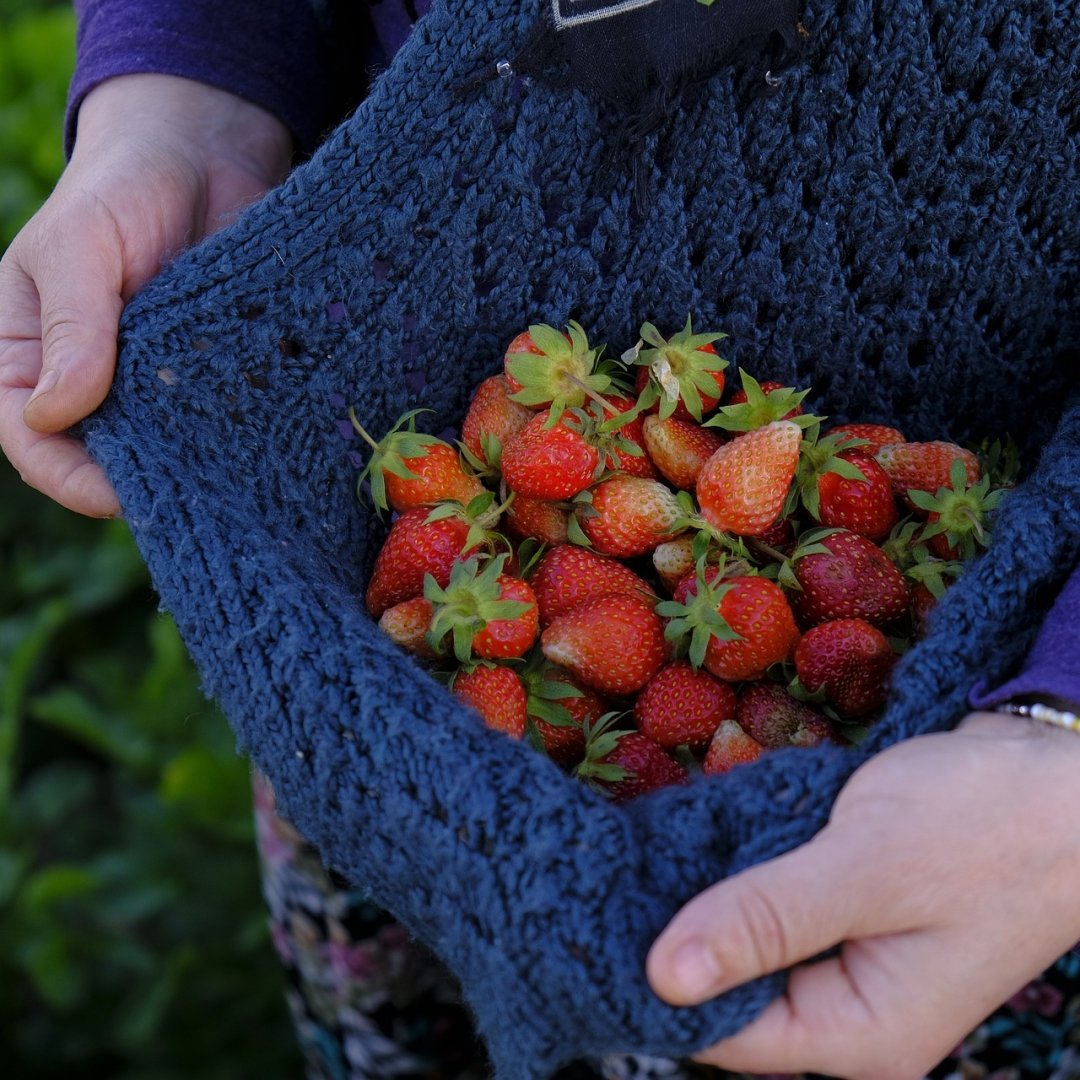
(895, 225)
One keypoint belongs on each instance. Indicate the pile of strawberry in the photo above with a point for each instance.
(645, 582)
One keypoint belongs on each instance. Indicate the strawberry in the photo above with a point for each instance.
(408, 468)
(613, 644)
(924, 466)
(680, 706)
(848, 660)
(744, 485)
(682, 376)
(626, 764)
(758, 404)
(497, 694)
(872, 437)
(492, 418)
(769, 714)
(407, 624)
(415, 546)
(559, 708)
(679, 448)
(842, 575)
(537, 518)
(730, 746)
(627, 438)
(737, 628)
(488, 613)
(550, 462)
(673, 560)
(865, 506)
(956, 517)
(628, 515)
(554, 371)
(567, 575)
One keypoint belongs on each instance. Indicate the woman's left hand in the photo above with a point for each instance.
(949, 875)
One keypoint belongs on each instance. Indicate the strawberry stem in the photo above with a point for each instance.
(360, 431)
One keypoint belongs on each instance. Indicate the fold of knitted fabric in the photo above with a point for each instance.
(895, 226)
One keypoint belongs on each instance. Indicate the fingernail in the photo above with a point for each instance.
(46, 383)
(695, 968)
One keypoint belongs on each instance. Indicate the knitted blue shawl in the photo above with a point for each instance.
(897, 226)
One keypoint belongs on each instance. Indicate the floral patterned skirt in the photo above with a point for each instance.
(370, 1003)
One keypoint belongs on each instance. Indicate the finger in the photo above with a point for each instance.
(79, 281)
(769, 917)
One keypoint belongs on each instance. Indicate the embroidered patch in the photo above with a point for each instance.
(568, 13)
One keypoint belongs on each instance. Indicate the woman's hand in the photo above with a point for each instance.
(949, 875)
(159, 162)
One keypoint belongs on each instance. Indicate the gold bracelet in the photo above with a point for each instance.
(1046, 714)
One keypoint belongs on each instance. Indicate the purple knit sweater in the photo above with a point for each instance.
(270, 52)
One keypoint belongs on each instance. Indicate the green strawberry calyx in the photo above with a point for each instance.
(693, 624)
(389, 454)
(679, 368)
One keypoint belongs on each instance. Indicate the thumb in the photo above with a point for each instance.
(79, 285)
(761, 920)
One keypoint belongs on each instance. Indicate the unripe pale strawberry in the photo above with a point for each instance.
(629, 515)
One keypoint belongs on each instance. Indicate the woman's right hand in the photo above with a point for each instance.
(159, 162)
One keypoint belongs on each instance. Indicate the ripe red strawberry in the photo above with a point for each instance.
(768, 713)
(682, 376)
(874, 436)
(924, 466)
(679, 448)
(679, 706)
(407, 624)
(730, 746)
(629, 515)
(851, 578)
(414, 548)
(537, 518)
(743, 486)
(865, 506)
(568, 575)
(560, 708)
(492, 418)
(551, 463)
(497, 694)
(627, 764)
(408, 468)
(673, 560)
(613, 644)
(487, 613)
(628, 452)
(737, 628)
(850, 661)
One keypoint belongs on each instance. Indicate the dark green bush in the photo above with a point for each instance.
(133, 940)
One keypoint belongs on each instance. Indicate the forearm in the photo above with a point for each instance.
(265, 51)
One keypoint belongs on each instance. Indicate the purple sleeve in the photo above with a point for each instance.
(1052, 667)
(267, 51)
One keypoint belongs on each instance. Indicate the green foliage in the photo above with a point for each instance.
(133, 940)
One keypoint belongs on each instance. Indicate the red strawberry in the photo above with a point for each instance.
(497, 694)
(414, 547)
(628, 451)
(555, 462)
(408, 469)
(850, 661)
(730, 746)
(407, 624)
(738, 627)
(769, 714)
(560, 708)
(537, 518)
(682, 376)
(924, 466)
(680, 706)
(851, 578)
(628, 515)
(865, 506)
(626, 764)
(874, 436)
(491, 420)
(567, 575)
(743, 486)
(488, 613)
(613, 644)
(679, 448)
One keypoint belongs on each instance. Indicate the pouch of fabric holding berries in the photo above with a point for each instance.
(848, 232)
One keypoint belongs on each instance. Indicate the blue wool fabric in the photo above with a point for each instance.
(896, 225)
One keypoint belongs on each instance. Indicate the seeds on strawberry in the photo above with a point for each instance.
(407, 624)
(925, 466)
(865, 506)
(679, 449)
(850, 661)
(673, 560)
(537, 518)
(568, 575)
(552, 463)
(730, 747)
(497, 694)
(772, 717)
(626, 764)
(613, 644)
(873, 436)
(492, 419)
(629, 515)
(679, 706)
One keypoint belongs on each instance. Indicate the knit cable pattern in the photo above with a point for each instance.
(896, 226)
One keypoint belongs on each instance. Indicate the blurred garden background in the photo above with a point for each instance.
(133, 941)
